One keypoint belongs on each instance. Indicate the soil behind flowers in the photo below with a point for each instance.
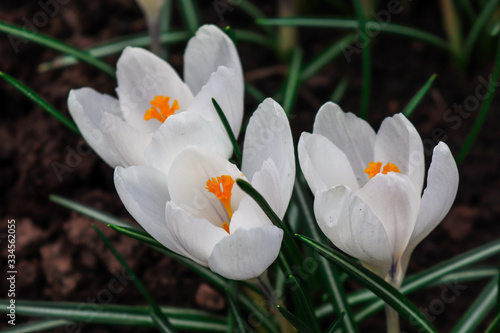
(60, 258)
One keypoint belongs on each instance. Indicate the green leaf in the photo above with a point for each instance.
(115, 46)
(340, 90)
(182, 319)
(378, 286)
(410, 107)
(255, 93)
(216, 280)
(235, 312)
(330, 275)
(483, 112)
(336, 323)
(479, 24)
(16, 31)
(91, 212)
(37, 326)
(304, 304)
(190, 15)
(326, 57)
(372, 26)
(365, 54)
(425, 278)
(292, 319)
(157, 315)
(495, 325)
(289, 241)
(292, 81)
(222, 116)
(26, 91)
(478, 310)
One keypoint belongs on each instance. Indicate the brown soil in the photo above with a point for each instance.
(60, 258)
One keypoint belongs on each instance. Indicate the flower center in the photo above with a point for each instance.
(221, 187)
(161, 109)
(374, 168)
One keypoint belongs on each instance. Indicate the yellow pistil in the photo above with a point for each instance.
(221, 187)
(161, 109)
(374, 168)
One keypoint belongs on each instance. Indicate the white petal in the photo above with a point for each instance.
(196, 237)
(393, 199)
(248, 215)
(442, 185)
(205, 52)
(141, 76)
(351, 226)
(227, 89)
(144, 192)
(183, 130)
(128, 143)
(268, 135)
(87, 106)
(323, 164)
(354, 136)
(187, 181)
(246, 253)
(398, 142)
(267, 183)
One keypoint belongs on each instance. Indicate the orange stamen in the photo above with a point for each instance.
(225, 226)
(221, 187)
(160, 109)
(374, 168)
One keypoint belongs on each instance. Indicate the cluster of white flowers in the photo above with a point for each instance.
(171, 156)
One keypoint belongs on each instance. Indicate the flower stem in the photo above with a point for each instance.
(392, 320)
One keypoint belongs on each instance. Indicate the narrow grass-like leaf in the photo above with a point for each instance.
(14, 31)
(26, 91)
(190, 15)
(333, 285)
(326, 57)
(479, 24)
(378, 286)
(425, 278)
(340, 90)
(252, 10)
(115, 46)
(255, 93)
(235, 312)
(214, 279)
(365, 55)
(253, 37)
(468, 9)
(183, 319)
(410, 107)
(234, 142)
(292, 81)
(91, 212)
(157, 315)
(462, 276)
(483, 112)
(304, 304)
(288, 239)
(37, 326)
(478, 310)
(495, 325)
(336, 323)
(292, 319)
(372, 26)
(452, 26)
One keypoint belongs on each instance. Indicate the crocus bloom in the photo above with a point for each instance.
(201, 213)
(368, 187)
(150, 92)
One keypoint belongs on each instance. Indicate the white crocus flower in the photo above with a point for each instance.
(192, 205)
(151, 94)
(368, 187)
